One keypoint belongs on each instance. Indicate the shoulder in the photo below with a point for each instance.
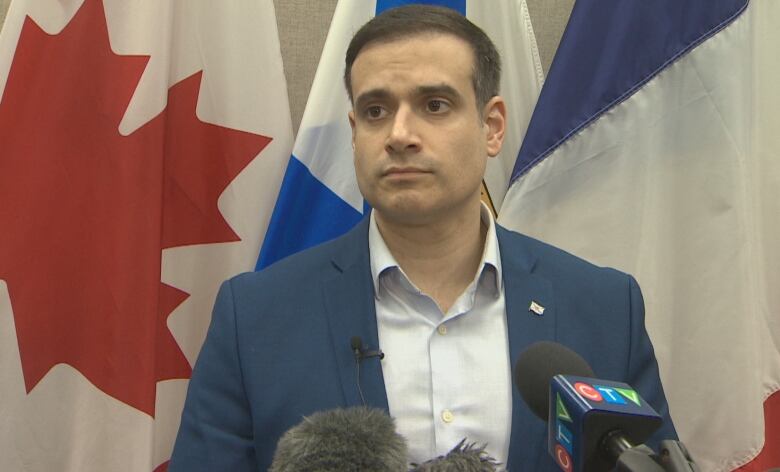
(547, 260)
(308, 267)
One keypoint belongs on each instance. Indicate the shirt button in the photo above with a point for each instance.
(447, 416)
(442, 329)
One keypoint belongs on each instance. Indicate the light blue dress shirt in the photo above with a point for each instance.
(447, 375)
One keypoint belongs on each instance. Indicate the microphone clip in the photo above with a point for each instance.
(361, 352)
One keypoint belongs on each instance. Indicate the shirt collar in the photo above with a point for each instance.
(382, 260)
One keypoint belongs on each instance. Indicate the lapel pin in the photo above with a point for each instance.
(536, 308)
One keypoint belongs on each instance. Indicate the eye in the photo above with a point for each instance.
(437, 106)
(375, 112)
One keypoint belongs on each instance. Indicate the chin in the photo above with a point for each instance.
(407, 213)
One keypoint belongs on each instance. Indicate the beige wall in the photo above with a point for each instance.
(302, 41)
(3, 9)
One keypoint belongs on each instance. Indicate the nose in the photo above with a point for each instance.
(403, 136)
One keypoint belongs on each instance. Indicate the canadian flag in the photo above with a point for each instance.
(142, 146)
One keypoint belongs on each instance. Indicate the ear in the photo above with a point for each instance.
(351, 116)
(495, 124)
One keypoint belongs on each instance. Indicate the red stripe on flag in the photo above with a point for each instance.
(770, 454)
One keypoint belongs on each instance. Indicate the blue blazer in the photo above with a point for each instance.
(279, 348)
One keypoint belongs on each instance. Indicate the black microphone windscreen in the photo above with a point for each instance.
(536, 367)
(352, 439)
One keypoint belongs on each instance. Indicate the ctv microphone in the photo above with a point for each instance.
(342, 440)
(593, 424)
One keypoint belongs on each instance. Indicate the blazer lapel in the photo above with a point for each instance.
(349, 302)
(530, 313)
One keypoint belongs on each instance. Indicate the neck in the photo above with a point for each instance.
(440, 258)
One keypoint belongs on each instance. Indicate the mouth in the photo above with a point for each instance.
(404, 172)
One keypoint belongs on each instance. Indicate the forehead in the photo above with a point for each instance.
(420, 60)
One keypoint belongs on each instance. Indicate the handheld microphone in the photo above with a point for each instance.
(593, 424)
(351, 439)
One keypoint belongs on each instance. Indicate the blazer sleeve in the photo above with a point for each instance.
(643, 372)
(216, 424)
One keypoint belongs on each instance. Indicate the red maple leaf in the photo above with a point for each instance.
(85, 211)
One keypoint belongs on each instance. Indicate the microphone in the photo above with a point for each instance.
(362, 352)
(593, 424)
(363, 439)
(351, 439)
(462, 458)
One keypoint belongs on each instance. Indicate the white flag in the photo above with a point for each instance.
(656, 149)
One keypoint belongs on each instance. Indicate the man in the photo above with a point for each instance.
(450, 297)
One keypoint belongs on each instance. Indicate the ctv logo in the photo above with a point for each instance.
(564, 438)
(600, 393)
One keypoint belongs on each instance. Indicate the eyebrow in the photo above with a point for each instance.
(422, 90)
(441, 89)
(373, 94)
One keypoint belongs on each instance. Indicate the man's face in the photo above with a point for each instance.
(421, 143)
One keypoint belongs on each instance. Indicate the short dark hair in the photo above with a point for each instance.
(415, 20)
